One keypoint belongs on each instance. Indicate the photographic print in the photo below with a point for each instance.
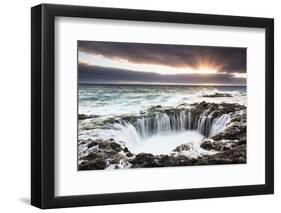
(119, 95)
(146, 105)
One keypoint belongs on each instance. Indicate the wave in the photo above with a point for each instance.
(109, 100)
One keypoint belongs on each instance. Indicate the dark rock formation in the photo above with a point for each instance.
(233, 156)
(83, 116)
(96, 163)
(235, 131)
(105, 153)
(143, 160)
(218, 95)
(215, 145)
(182, 147)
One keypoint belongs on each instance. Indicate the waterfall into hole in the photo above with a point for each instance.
(162, 123)
(164, 131)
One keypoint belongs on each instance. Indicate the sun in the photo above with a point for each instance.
(206, 70)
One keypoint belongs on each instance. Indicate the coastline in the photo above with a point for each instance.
(228, 146)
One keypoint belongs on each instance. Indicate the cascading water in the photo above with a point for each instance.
(205, 123)
(219, 124)
(189, 119)
(157, 128)
(162, 123)
(125, 131)
(201, 123)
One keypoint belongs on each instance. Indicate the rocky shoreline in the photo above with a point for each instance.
(229, 145)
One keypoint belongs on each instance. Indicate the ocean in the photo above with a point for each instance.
(110, 100)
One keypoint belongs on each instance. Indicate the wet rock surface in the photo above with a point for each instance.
(100, 154)
(83, 116)
(229, 145)
(234, 155)
(217, 95)
(233, 132)
(183, 147)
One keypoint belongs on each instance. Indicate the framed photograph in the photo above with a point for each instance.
(139, 106)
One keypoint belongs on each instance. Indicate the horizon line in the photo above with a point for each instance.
(159, 84)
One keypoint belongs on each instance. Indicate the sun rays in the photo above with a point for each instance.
(99, 60)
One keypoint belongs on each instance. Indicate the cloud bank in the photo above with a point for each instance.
(229, 63)
(227, 58)
(95, 74)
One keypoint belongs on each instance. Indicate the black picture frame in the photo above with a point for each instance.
(43, 102)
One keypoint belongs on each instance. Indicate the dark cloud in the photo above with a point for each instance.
(226, 58)
(95, 74)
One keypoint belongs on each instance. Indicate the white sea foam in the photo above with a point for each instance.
(156, 144)
(165, 143)
(112, 100)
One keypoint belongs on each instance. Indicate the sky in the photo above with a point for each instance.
(142, 63)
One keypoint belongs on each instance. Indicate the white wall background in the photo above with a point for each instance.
(15, 105)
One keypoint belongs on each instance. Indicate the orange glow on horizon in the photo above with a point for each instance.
(203, 67)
